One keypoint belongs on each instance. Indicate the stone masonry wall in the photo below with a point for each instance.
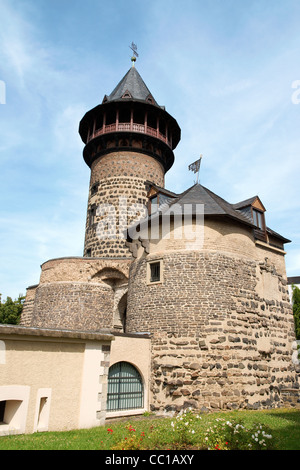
(72, 305)
(219, 340)
(28, 306)
(78, 293)
(118, 174)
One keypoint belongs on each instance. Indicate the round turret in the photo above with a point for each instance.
(130, 118)
(129, 140)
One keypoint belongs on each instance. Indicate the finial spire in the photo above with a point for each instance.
(133, 47)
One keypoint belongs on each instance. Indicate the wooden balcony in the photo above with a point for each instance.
(130, 127)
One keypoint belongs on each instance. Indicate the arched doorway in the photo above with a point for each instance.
(125, 388)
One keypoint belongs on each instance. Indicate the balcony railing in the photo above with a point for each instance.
(130, 127)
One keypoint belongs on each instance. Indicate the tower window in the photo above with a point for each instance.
(154, 272)
(92, 214)
(94, 189)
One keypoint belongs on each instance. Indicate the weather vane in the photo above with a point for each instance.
(195, 167)
(133, 47)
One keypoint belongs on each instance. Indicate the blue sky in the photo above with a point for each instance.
(223, 68)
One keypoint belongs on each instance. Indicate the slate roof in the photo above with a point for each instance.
(245, 203)
(213, 206)
(133, 83)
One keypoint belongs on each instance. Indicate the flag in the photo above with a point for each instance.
(195, 167)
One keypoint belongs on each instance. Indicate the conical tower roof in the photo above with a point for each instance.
(133, 87)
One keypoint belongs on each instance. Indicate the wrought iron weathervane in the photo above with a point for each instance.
(133, 47)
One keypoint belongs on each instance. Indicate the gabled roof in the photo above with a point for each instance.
(132, 86)
(213, 206)
(245, 203)
(252, 201)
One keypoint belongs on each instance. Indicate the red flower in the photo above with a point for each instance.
(110, 431)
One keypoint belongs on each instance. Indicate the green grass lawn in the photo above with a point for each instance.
(159, 433)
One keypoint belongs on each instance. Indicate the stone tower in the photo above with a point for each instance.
(129, 141)
(217, 309)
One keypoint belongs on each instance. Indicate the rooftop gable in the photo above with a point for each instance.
(252, 201)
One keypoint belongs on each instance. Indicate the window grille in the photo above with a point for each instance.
(125, 388)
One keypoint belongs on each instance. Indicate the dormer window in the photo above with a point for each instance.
(157, 197)
(150, 99)
(254, 210)
(157, 200)
(258, 219)
(127, 94)
(153, 205)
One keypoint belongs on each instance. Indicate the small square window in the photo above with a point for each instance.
(154, 272)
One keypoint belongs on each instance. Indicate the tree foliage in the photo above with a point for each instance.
(10, 310)
(296, 310)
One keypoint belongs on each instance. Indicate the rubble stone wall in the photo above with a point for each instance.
(77, 293)
(117, 175)
(219, 340)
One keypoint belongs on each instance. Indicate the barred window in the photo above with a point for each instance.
(125, 388)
